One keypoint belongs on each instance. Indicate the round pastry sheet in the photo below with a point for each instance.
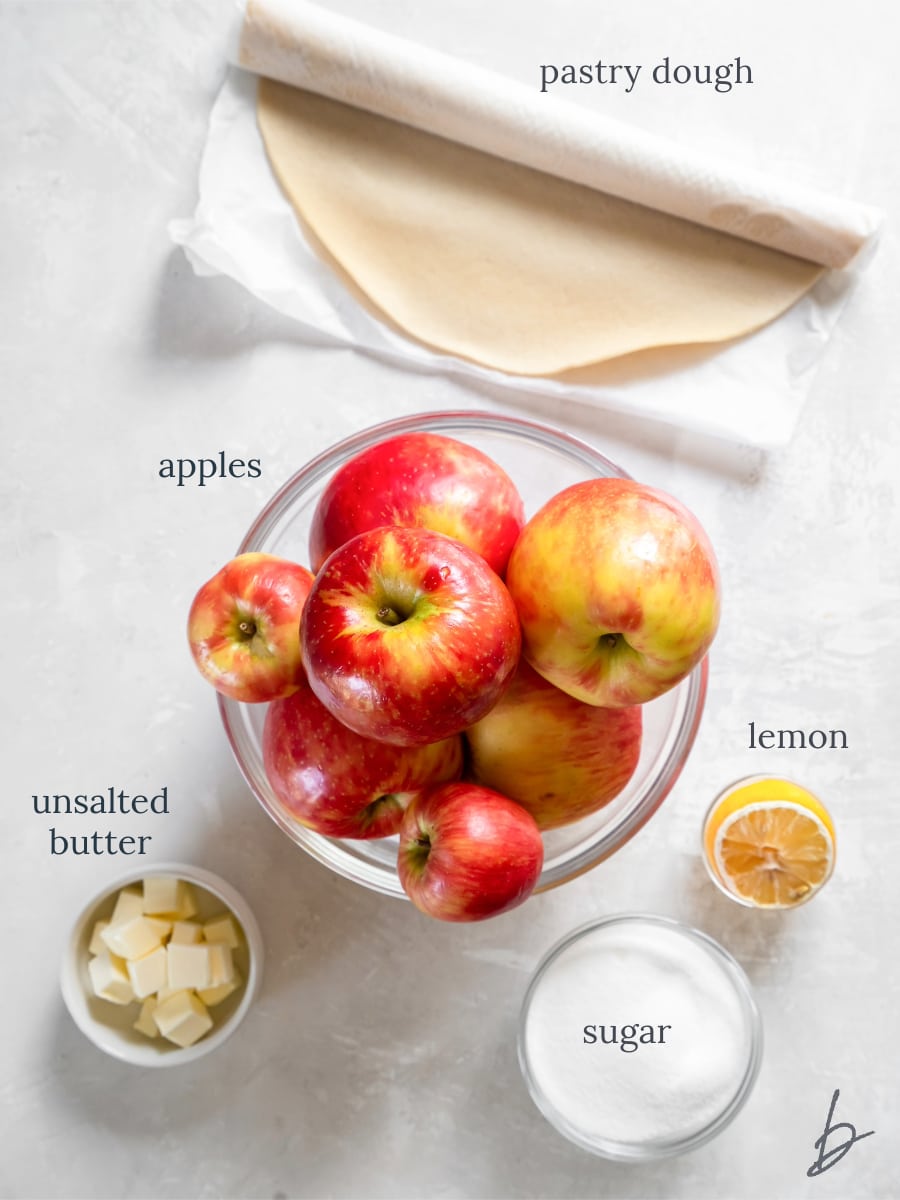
(509, 267)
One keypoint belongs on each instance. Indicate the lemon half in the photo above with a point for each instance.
(770, 843)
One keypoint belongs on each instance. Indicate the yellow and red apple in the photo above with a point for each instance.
(408, 636)
(558, 757)
(340, 784)
(420, 479)
(617, 589)
(244, 627)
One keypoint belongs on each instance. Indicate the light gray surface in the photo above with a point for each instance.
(380, 1059)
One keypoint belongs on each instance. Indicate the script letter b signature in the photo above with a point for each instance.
(828, 1158)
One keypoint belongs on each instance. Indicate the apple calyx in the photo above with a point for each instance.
(417, 853)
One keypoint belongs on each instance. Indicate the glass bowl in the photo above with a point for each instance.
(764, 789)
(541, 461)
(655, 1101)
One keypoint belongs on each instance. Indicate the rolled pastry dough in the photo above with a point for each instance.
(502, 264)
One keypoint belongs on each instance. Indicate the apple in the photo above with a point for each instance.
(338, 783)
(420, 479)
(244, 627)
(467, 852)
(558, 757)
(617, 589)
(408, 636)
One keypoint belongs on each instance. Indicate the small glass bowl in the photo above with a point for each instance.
(780, 788)
(731, 980)
(541, 461)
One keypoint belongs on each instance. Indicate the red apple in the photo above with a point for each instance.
(244, 627)
(420, 479)
(617, 589)
(556, 756)
(338, 783)
(467, 852)
(408, 636)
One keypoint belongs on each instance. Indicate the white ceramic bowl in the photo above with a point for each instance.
(109, 1026)
(541, 461)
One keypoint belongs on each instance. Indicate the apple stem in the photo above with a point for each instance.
(388, 616)
(248, 629)
(609, 639)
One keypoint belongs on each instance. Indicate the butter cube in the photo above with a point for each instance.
(187, 933)
(222, 930)
(182, 1018)
(133, 938)
(120, 962)
(109, 979)
(97, 944)
(129, 904)
(165, 896)
(189, 966)
(221, 965)
(215, 995)
(163, 928)
(145, 1023)
(148, 974)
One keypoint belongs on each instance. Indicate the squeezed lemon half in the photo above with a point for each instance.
(769, 843)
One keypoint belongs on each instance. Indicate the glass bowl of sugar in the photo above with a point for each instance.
(639, 1037)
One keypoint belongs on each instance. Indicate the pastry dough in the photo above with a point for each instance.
(504, 265)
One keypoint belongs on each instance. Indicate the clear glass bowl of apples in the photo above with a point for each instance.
(501, 661)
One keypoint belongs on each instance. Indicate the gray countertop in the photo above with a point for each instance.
(380, 1057)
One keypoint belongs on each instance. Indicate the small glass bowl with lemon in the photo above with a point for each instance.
(768, 843)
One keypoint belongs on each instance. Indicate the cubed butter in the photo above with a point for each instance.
(166, 896)
(97, 944)
(129, 904)
(221, 965)
(189, 966)
(145, 1023)
(150, 973)
(183, 1018)
(163, 928)
(109, 979)
(187, 933)
(222, 931)
(215, 995)
(151, 951)
(133, 938)
(162, 998)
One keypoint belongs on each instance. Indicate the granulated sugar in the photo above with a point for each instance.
(637, 1033)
